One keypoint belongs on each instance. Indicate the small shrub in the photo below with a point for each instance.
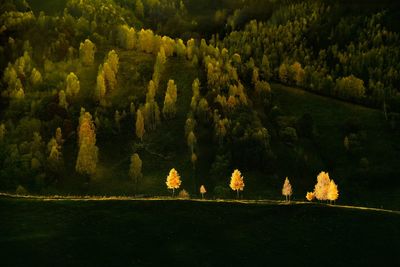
(183, 194)
(21, 190)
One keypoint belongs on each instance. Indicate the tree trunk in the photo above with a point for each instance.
(173, 192)
(237, 194)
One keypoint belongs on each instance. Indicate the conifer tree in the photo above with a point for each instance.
(172, 90)
(173, 180)
(86, 52)
(36, 77)
(139, 9)
(266, 68)
(287, 189)
(135, 170)
(62, 99)
(113, 61)
(88, 152)
(100, 86)
(237, 183)
(169, 109)
(140, 131)
(73, 85)
(109, 76)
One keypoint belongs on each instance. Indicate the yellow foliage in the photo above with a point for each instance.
(333, 192)
(237, 183)
(173, 180)
(203, 189)
(73, 85)
(109, 76)
(287, 189)
(86, 52)
(322, 187)
(183, 194)
(310, 196)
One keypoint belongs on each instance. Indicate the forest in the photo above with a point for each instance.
(106, 97)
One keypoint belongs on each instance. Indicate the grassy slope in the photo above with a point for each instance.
(380, 147)
(126, 233)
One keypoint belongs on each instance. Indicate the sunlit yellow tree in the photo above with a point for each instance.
(322, 187)
(202, 191)
(173, 180)
(287, 189)
(237, 183)
(310, 196)
(88, 152)
(333, 192)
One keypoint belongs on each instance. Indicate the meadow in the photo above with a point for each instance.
(192, 233)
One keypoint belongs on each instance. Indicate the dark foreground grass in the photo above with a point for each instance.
(184, 233)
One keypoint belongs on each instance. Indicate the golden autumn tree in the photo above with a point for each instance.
(109, 77)
(173, 180)
(333, 192)
(287, 189)
(322, 187)
(310, 196)
(140, 131)
(88, 152)
(169, 108)
(87, 50)
(202, 191)
(73, 85)
(113, 61)
(36, 77)
(135, 169)
(237, 182)
(172, 90)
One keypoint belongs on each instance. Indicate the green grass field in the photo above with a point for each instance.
(187, 233)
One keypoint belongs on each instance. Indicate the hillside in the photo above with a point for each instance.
(107, 97)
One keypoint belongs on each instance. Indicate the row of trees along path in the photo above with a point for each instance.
(325, 189)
